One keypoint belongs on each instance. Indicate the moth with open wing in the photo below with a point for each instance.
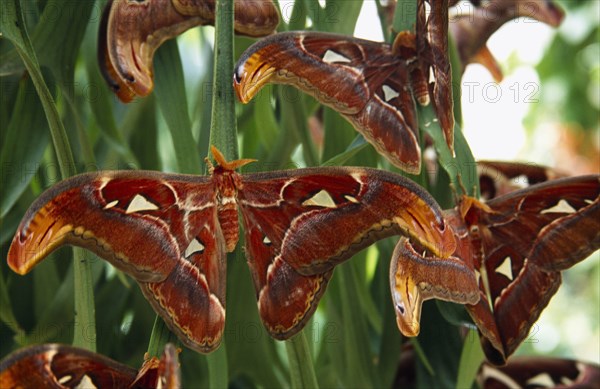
(540, 372)
(131, 31)
(520, 372)
(517, 244)
(171, 233)
(369, 83)
(61, 366)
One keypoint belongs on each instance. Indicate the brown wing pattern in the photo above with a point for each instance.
(131, 32)
(160, 229)
(319, 217)
(525, 239)
(366, 82)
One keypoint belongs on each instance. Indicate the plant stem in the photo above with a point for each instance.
(223, 135)
(302, 371)
(223, 126)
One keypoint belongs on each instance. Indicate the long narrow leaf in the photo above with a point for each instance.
(24, 145)
(302, 376)
(471, 358)
(172, 100)
(13, 27)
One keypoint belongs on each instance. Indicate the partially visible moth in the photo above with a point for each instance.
(61, 366)
(472, 31)
(171, 233)
(369, 83)
(497, 178)
(540, 372)
(131, 31)
(519, 372)
(434, 61)
(416, 277)
(517, 245)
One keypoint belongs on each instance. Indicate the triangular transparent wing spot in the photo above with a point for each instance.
(389, 93)
(139, 204)
(562, 206)
(321, 199)
(194, 247)
(505, 268)
(333, 57)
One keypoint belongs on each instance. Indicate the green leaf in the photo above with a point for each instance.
(358, 144)
(251, 352)
(13, 27)
(58, 317)
(337, 16)
(24, 145)
(7, 315)
(302, 375)
(351, 343)
(338, 134)
(101, 98)
(56, 38)
(45, 279)
(440, 343)
(58, 35)
(297, 17)
(390, 342)
(265, 119)
(160, 337)
(142, 131)
(471, 358)
(172, 101)
(461, 169)
(454, 313)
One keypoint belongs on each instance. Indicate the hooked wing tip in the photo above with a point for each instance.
(250, 75)
(34, 241)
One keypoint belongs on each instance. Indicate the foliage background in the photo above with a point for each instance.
(353, 339)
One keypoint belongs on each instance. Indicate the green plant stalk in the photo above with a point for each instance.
(159, 337)
(403, 16)
(223, 127)
(85, 335)
(302, 373)
(85, 309)
(223, 135)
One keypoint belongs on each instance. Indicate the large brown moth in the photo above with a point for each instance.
(171, 233)
(60, 366)
(131, 31)
(369, 83)
(517, 244)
